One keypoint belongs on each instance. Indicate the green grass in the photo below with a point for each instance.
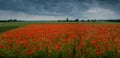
(5, 26)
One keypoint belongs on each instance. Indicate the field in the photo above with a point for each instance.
(59, 40)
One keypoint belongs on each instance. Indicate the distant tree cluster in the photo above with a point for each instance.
(90, 20)
(67, 20)
(101, 20)
(117, 20)
(10, 20)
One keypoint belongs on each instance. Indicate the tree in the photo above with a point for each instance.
(15, 20)
(76, 20)
(67, 19)
(82, 20)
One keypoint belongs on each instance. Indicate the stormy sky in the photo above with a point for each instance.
(59, 9)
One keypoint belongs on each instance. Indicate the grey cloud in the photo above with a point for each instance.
(74, 8)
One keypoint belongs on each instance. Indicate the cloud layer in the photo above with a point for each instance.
(59, 9)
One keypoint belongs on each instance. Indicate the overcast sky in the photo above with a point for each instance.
(59, 9)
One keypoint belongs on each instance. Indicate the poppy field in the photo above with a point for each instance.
(62, 41)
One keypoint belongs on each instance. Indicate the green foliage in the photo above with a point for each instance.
(6, 28)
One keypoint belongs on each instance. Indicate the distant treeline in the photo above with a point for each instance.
(117, 20)
(67, 20)
(110, 20)
(11, 20)
(90, 20)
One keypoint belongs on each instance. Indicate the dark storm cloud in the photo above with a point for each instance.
(75, 8)
(110, 4)
(38, 6)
